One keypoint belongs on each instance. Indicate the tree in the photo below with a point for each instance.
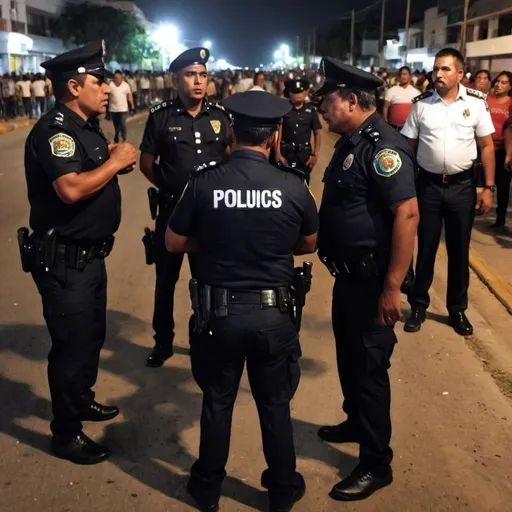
(127, 41)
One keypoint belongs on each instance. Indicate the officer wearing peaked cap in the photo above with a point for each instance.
(75, 208)
(246, 219)
(293, 146)
(179, 135)
(368, 221)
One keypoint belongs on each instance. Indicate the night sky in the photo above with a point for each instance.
(246, 32)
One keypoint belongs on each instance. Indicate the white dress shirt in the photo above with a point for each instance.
(446, 131)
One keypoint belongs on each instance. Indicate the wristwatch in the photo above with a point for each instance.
(492, 188)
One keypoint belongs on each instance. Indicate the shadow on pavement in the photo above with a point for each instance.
(502, 236)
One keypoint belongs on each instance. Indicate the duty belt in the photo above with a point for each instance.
(265, 298)
(296, 147)
(364, 265)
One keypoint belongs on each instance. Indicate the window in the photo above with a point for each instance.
(453, 35)
(484, 30)
(505, 25)
(38, 24)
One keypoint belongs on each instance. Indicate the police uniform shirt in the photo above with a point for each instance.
(299, 123)
(247, 215)
(446, 131)
(62, 142)
(183, 142)
(369, 172)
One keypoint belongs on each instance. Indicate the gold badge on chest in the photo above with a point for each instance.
(216, 126)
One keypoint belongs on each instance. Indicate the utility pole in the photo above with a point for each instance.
(407, 35)
(464, 29)
(313, 53)
(381, 48)
(352, 28)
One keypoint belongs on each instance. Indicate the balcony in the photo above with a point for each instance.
(490, 47)
(18, 26)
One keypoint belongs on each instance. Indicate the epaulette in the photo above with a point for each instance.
(58, 120)
(206, 166)
(293, 170)
(161, 106)
(476, 94)
(371, 133)
(211, 104)
(422, 96)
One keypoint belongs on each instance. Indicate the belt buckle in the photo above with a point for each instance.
(445, 179)
(268, 298)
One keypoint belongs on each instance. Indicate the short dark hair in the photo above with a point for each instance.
(60, 85)
(485, 72)
(405, 68)
(452, 52)
(250, 135)
(366, 99)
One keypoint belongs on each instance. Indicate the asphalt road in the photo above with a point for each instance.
(452, 423)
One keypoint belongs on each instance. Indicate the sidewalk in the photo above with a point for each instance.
(15, 124)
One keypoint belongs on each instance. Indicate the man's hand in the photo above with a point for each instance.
(127, 170)
(124, 155)
(282, 159)
(312, 160)
(484, 202)
(508, 162)
(389, 307)
(111, 147)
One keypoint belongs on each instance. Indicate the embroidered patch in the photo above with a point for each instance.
(466, 113)
(348, 162)
(62, 145)
(175, 128)
(216, 126)
(387, 162)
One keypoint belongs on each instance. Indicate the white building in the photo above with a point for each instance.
(24, 34)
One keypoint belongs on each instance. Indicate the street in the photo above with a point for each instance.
(452, 412)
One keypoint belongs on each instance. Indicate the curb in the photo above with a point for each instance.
(496, 284)
(6, 128)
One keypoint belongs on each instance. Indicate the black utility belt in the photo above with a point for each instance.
(368, 264)
(448, 179)
(266, 298)
(296, 147)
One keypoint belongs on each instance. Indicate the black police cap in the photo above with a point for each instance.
(89, 59)
(190, 57)
(338, 75)
(257, 108)
(295, 85)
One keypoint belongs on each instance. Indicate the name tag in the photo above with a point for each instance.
(242, 199)
(175, 128)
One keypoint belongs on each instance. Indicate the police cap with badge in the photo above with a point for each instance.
(89, 60)
(337, 75)
(297, 85)
(191, 57)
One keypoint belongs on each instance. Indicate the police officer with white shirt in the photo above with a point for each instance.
(245, 219)
(444, 126)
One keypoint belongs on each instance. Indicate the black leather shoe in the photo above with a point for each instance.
(360, 484)
(80, 450)
(500, 223)
(461, 324)
(341, 433)
(158, 357)
(98, 412)
(286, 501)
(202, 503)
(416, 318)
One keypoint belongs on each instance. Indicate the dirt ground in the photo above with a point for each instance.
(452, 421)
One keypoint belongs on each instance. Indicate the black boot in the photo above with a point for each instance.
(284, 499)
(80, 449)
(342, 433)
(460, 323)
(361, 484)
(158, 356)
(98, 412)
(416, 318)
(203, 503)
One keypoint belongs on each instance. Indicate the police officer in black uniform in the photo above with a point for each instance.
(368, 221)
(75, 201)
(293, 147)
(182, 133)
(246, 220)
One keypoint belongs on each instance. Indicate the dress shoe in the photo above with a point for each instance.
(203, 504)
(416, 318)
(80, 450)
(98, 412)
(360, 484)
(158, 356)
(461, 324)
(287, 497)
(342, 433)
(500, 223)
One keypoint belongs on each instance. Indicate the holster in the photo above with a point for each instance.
(301, 287)
(147, 240)
(26, 246)
(220, 302)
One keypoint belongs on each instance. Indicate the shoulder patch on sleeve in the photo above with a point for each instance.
(387, 162)
(161, 106)
(62, 145)
(476, 94)
(426, 94)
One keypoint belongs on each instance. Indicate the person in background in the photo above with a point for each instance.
(160, 86)
(259, 82)
(132, 82)
(483, 81)
(211, 89)
(144, 86)
(38, 89)
(24, 95)
(398, 99)
(500, 106)
(120, 97)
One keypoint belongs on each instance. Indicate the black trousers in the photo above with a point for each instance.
(454, 206)
(119, 119)
(363, 352)
(299, 159)
(74, 307)
(268, 341)
(168, 267)
(503, 178)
